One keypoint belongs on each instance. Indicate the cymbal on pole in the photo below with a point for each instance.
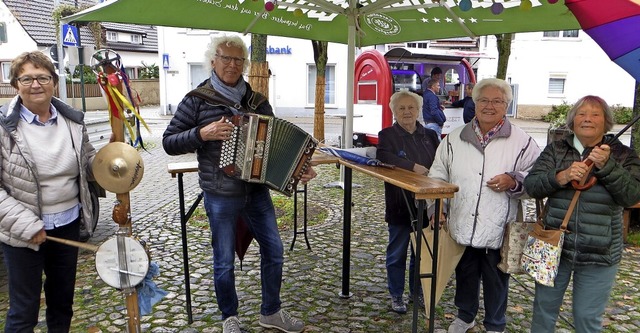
(118, 167)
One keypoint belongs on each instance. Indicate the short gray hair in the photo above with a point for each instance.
(228, 40)
(496, 83)
(594, 101)
(403, 93)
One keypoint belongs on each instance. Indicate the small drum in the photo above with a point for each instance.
(122, 262)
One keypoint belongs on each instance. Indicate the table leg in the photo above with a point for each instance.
(185, 251)
(304, 217)
(184, 217)
(417, 276)
(346, 235)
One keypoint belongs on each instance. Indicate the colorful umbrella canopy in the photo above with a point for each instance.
(356, 23)
(615, 26)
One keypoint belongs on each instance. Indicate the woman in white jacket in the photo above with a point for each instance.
(487, 158)
(45, 165)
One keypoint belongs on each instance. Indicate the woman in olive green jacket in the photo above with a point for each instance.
(593, 246)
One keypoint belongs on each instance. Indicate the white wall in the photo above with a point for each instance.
(587, 68)
(288, 86)
(533, 59)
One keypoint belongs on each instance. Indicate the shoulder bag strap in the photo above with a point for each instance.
(572, 206)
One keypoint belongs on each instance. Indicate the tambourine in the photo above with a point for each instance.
(122, 262)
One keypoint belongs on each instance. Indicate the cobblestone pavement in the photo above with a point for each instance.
(311, 279)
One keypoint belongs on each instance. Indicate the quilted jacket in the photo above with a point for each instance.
(20, 197)
(478, 215)
(595, 227)
(182, 136)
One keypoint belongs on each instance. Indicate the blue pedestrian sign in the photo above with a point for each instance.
(70, 35)
(165, 60)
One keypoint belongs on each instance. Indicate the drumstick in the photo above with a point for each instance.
(69, 242)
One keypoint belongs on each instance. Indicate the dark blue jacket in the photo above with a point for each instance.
(431, 111)
(182, 136)
(469, 108)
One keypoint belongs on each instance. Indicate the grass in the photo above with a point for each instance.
(633, 238)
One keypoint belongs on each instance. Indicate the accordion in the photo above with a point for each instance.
(267, 150)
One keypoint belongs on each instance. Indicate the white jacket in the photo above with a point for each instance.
(20, 198)
(477, 215)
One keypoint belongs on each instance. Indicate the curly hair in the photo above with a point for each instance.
(230, 41)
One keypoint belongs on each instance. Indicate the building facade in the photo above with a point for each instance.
(547, 68)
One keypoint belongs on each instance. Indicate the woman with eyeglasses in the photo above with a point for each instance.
(488, 159)
(45, 166)
(592, 247)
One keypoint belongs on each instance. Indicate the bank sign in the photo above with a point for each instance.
(277, 50)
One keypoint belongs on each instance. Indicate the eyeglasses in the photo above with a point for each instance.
(28, 80)
(483, 102)
(227, 60)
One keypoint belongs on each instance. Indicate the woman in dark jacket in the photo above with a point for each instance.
(593, 244)
(410, 146)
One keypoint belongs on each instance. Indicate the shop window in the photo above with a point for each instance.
(330, 85)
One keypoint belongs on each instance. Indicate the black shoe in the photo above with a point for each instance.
(398, 305)
(420, 299)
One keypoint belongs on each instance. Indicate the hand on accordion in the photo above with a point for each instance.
(217, 130)
(308, 175)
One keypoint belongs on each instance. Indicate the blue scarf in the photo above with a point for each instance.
(234, 93)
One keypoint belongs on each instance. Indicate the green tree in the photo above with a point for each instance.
(504, 51)
(259, 71)
(320, 58)
(635, 131)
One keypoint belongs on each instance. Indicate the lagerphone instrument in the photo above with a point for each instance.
(268, 150)
(122, 262)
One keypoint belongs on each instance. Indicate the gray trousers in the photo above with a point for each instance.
(592, 286)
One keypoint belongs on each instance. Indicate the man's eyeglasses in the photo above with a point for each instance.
(483, 102)
(227, 60)
(28, 80)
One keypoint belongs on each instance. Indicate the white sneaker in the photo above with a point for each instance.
(459, 326)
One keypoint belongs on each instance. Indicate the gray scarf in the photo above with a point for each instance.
(234, 93)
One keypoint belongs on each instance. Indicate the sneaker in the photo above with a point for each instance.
(397, 304)
(459, 326)
(283, 321)
(420, 299)
(231, 325)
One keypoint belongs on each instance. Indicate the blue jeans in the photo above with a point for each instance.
(437, 128)
(25, 267)
(478, 265)
(399, 236)
(592, 286)
(257, 210)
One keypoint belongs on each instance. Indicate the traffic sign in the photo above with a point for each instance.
(165, 60)
(70, 35)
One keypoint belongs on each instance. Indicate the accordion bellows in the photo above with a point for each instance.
(268, 150)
